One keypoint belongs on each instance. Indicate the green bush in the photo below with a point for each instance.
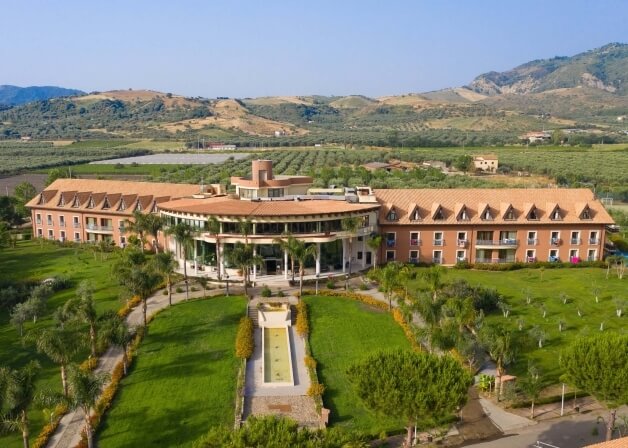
(331, 284)
(178, 290)
(280, 293)
(266, 292)
(303, 325)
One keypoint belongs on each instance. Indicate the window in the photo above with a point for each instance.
(62, 235)
(593, 237)
(390, 255)
(415, 215)
(439, 215)
(575, 237)
(414, 238)
(122, 205)
(437, 256)
(75, 222)
(61, 201)
(462, 239)
(40, 233)
(532, 241)
(248, 193)
(391, 239)
(591, 255)
(51, 234)
(75, 202)
(414, 256)
(556, 214)
(49, 219)
(487, 215)
(510, 214)
(484, 237)
(463, 215)
(573, 255)
(123, 241)
(461, 255)
(105, 204)
(38, 218)
(530, 255)
(138, 206)
(533, 215)
(90, 203)
(586, 213)
(275, 192)
(392, 215)
(438, 239)
(61, 221)
(359, 255)
(77, 237)
(555, 238)
(553, 255)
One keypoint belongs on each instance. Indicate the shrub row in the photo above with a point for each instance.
(544, 400)
(517, 265)
(49, 429)
(401, 320)
(128, 307)
(244, 338)
(303, 325)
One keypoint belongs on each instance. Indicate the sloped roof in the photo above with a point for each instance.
(617, 443)
(477, 200)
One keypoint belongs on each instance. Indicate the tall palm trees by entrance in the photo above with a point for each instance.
(183, 234)
(350, 225)
(242, 256)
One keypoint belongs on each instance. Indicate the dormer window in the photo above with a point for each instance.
(90, 203)
(415, 215)
(392, 215)
(138, 206)
(439, 216)
(122, 205)
(106, 204)
(75, 202)
(510, 214)
(586, 213)
(486, 215)
(463, 215)
(61, 201)
(556, 215)
(41, 199)
(154, 208)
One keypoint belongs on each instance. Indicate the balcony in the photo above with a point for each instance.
(594, 241)
(505, 243)
(533, 241)
(576, 241)
(390, 243)
(555, 241)
(38, 222)
(530, 259)
(415, 242)
(495, 260)
(414, 260)
(461, 259)
(462, 243)
(439, 242)
(97, 228)
(61, 223)
(50, 223)
(76, 225)
(437, 260)
(553, 259)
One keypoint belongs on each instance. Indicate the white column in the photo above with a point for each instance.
(285, 264)
(255, 265)
(222, 259)
(195, 257)
(318, 258)
(364, 252)
(344, 255)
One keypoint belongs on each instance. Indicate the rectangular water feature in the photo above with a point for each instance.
(277, 359)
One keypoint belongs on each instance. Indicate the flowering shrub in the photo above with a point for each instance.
(89, 364)
(316, 389)
(244, 338)
(128, 307)
(400, 319)
(48, 430)
(302, 325)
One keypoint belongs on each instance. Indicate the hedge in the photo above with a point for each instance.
(244, 338)
(302, 325)
(536, 265)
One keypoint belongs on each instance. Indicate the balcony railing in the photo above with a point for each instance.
(99, 228)
(414, 260)
(594, 241)
(533, 241)
(390, 243)
(461, 259)
(531, 259)
(437, 260)
(49, 222)
(439, 242)
(415, 242)
(576, 241)
(555, 241)
(77, 240)
(462, 243)
(38, 222)
(503, 242)
(552, 259)
(61, 223)
(76, 225)
(591, 258)
(495, 260)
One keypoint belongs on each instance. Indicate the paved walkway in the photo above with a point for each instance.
(68, 433)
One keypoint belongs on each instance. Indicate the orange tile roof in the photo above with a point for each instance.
(617, 443)
(225, 206)
(570, 201)
(76, 194)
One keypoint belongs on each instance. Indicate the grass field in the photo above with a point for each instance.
(31, 261)
(118, 170)
(183, 380)
(343, 332)
(546, 288)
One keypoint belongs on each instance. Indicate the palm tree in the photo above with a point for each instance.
(501, 345)
(83, 308)
(302, 252)
(531, 386)
(242, 256)
(183, 234)
(433, 278)
(388, 279)
(166, 265)
(84, 390)
(246, 227)
(60, 346)
(213, 227)
(137, 276)
(288, 244)
(17, 390)
(138, 225)
(350, 225)
(153, 224)
(114, 331)
(374, 242)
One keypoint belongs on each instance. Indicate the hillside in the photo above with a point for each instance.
(604, 68)
(14, 95)
(586, 91)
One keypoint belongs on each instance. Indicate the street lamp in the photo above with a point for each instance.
(317, 276)
(346, 281)
(227, 279)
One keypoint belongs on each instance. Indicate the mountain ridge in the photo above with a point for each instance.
(11, 95)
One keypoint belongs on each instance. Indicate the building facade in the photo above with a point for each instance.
(442, 226)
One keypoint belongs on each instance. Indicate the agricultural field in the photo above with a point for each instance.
(547, 289)
(183, 380)
(342, 332)
(32, 261)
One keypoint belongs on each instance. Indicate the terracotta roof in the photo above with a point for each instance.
(225, 206)
(77, 193)
(617, 443)
(571, 202)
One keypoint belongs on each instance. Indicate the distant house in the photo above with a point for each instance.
(486, 163)
(536, 137)
(221, 147)
(376, 166)
(26, 138)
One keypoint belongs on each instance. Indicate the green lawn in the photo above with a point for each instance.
(183, 380)
(344, 331)
(546, 288)
(29, 260)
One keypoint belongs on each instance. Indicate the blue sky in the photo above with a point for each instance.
(256, 48)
